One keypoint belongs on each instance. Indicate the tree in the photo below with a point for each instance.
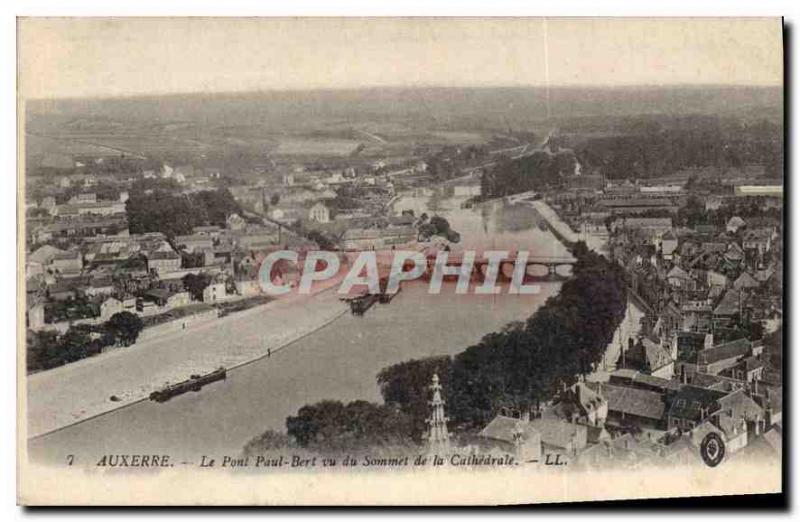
(44, 351)
(331, 426)
(406, 386)
(125, 327)
(75, 343)
(321, 240)
(270, 440)
(195, 284)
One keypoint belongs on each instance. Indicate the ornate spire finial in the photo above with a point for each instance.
(438, 437)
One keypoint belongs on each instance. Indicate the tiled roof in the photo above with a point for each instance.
(729, 350)
(633, 401)
(506, 429)
(729, 305)
(688, 402)
(555, 432)
(739, 405)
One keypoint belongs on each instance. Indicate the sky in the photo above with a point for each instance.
(106, 57)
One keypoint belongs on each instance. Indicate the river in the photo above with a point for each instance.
(339, 361)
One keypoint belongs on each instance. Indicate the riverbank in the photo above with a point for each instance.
(630, 325)
(63, 396)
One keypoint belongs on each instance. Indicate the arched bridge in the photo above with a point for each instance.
(507, 264)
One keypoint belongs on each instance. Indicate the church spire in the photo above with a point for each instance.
(438, 438)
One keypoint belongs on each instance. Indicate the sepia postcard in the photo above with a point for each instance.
(399, 261)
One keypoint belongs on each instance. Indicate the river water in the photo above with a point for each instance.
(339, 361)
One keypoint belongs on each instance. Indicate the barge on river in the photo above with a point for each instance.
(359, 304)
(193, 383)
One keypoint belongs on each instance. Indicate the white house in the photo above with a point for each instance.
(214, 292)
(319, 213)
(109, 307)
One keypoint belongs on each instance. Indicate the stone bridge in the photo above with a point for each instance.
(479, 266)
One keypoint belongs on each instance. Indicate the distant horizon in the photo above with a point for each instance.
(398, 87)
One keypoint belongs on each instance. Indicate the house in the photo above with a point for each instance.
(712, 382)
(713, 202)
(235, 222)
(669, 244)
(248, 287)
(734, 224)
(633, 206)
(207, 230)
(714, 278)
(109, 307)
(763, 276)
(515, 436)
(362, 239)
(688, 343)
(732, 431)
(100, 285)
(651, 358)
(703, 229)
(83, 198)
(728, 308)
(398, 235)
(579, 403)
(163, 261)
(40, 258)
(159, 296)
(696, 316)
(178, 299)
(678, 278)
(319, 213)
(748, 369)
(746, 281)
(739, 405)
(759, 239)
(214, 292)
(35, 317)
(691, 406)
(67, 262)
(734, 253)
(258, 240)
(629, 405)
(559, 435)
(103, 208)
(194, 242)
(723, 356)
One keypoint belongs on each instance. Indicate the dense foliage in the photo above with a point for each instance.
(331, 426)
(268, 441)
(162, 210)
(527, 173)
(436, 226)
(195, 284)
(651, 146)
(46, 349)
